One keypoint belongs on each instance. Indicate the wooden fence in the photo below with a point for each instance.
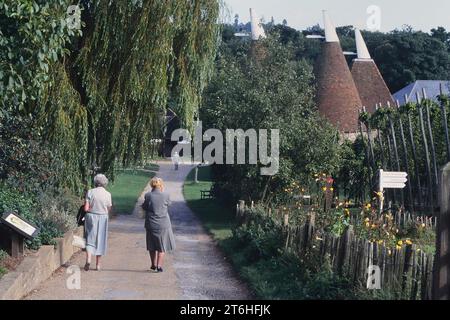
(405, 273)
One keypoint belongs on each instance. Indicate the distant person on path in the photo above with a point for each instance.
(176, 160)
(98, 205)
(159, 233)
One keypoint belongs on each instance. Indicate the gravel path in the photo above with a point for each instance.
(196, 270)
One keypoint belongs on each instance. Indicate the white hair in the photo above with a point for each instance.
(100, 180)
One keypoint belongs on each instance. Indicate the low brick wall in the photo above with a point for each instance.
(38, 267)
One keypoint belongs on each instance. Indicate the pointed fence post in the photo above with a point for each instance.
(444, 122)
(441, 274)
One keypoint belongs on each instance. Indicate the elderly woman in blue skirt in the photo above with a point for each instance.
(98, 206)
(159, 233)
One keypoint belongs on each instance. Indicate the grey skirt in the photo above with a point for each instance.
(96, 233)
(161, 240)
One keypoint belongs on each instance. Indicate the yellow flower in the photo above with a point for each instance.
(399, 247)
(367, 220)
(374, 226)
(331, 189)
(380, 241)
(400, 243)
(389, 252)
(367, 224)
(379, 194)
(408, 242)
(324, 189)
(423, 225)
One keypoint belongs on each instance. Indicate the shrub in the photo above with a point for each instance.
(52, 215)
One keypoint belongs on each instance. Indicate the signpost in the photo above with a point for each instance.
(14, 229)
(390, 180)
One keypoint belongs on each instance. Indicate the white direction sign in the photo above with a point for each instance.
(392, 180)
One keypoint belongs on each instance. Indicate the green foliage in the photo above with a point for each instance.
(25, 161)
(270, 92)
(383, 148)
(216, 216)
(136, 59)
(3, 256)
(52, 214)
(403, 55)
(258, 251)
(352, 180)
(33, 36)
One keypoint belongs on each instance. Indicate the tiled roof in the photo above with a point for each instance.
(432, 89)
(337, 97)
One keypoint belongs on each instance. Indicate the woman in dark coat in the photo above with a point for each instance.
(160, 237)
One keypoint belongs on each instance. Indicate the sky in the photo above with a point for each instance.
(300, 14)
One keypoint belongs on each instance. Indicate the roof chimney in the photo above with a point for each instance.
(257, 29)
(363, 52)
(330, 30)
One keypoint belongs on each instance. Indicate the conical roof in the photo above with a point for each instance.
(337, 97)
(371, 86)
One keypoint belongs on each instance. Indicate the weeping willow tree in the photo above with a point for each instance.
(101, 94)
(133, 59)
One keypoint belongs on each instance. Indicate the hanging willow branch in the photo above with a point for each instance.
(137, 57)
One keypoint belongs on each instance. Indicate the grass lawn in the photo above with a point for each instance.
(217, 218)
(128, 186)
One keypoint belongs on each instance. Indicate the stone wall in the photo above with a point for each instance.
(38, 267)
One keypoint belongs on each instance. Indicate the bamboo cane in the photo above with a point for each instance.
(445, 123)
(425, 145)
(369, 138)
(391, 163)
(366, 148)
(414, 152)
(405, 159)
(433, 148)
(380, 142)
(395, 149)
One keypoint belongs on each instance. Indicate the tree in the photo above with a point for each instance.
(100, 94)
(273, 93)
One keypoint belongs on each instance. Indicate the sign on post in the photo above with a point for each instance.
(13, 230)
(390, 180)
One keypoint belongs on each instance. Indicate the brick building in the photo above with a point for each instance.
(371, 86)
(337, 95)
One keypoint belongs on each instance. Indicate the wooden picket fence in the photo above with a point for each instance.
(402, 219)
(405, 272)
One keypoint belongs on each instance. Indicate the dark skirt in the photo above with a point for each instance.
(161, 240)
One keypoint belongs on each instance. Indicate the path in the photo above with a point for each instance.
(196, 270)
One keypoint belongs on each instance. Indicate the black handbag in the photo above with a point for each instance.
(80, 216)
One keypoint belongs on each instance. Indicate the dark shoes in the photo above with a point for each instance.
(156, 269)
(86, 266)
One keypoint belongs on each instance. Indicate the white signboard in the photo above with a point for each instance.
(19, 224)
(392, 180)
